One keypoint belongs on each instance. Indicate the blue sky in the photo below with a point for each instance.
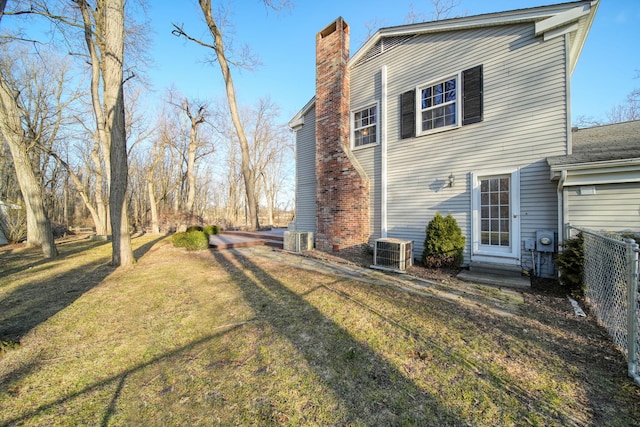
(285, 43)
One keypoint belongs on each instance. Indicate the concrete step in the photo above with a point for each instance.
(501, 280)
(497, 269)
(496, 275)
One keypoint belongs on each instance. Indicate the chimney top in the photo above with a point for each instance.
(331, 28)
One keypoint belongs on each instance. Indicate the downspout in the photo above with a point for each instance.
(563, 233)
(294, 224)
(383, 152)
(562, 206)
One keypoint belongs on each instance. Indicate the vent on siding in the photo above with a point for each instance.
(298, 241)
(392, 254)
(383, 45)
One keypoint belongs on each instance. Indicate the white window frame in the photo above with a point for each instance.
(376, 124)
(458, 102)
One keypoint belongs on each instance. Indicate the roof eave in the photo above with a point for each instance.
(609, 165)
(567, 12)
(298, 120)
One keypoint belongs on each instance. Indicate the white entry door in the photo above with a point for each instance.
(496, 217)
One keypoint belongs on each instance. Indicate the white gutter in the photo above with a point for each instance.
(383, 154)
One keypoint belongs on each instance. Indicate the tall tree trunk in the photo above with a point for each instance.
(249, 180)
(191, 174)
(122, 254)
(100, 221)
(39, 231)
(155, 227)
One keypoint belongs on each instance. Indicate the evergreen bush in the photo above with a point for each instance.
(211, 229)
(570, 263)
(191, 240)
(194, 228)
(444, 243)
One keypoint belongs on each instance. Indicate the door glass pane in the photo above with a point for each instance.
(495, 211)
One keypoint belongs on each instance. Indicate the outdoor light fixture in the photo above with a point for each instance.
(452, 180)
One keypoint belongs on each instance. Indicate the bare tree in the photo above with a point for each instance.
(627, 111)
(196, 115)
(269, 145)
(113, 58)
(22, 134)
(104, 33)
(442, 9)
(197, 147)
(153, 204)
(218, 46)
(623, 112)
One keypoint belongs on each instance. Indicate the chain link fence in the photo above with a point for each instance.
(611, 290)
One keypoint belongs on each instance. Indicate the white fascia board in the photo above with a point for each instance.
(562, 19)
(543, 13)
(601, 178)
(298, 120)
(560, 31)
(579, 41)
(626, 170)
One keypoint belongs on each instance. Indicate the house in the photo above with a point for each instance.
(454, 116)
(599, 182)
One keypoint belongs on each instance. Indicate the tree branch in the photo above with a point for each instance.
(178, 31)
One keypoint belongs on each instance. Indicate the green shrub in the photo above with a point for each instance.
(444, 243)
(570, 263)
(194, 228)
(211, 229)
(191, 240)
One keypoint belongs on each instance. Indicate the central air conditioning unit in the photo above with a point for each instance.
(392, 254)
(298, 241)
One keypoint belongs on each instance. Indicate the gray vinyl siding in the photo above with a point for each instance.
(369, 157)
(525, 120)
(305, 174)
(613, 207)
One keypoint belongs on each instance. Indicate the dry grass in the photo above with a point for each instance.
(220, 338)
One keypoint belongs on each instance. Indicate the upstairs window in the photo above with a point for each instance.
(446, 103)
(365, 126)
(438, 105)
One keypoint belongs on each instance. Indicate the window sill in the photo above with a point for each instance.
(438, 130)
(363, 147)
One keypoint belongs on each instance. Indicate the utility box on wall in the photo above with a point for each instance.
(545, 248)
(545, 241)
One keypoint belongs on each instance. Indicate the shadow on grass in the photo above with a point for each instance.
(370, 389)
(118, 380)
(13, 262)
(33, 303)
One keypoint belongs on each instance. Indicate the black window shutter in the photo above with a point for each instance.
(472, 95)
(408, 114)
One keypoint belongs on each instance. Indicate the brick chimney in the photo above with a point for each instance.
(342, 199)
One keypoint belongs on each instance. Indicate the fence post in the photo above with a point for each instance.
(632, 308)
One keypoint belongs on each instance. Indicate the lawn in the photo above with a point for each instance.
(227, 338)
